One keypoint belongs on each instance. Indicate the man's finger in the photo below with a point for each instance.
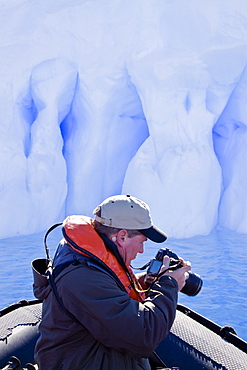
(166, 262)
(186, 267)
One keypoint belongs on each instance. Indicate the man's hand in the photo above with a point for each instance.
(180, 275)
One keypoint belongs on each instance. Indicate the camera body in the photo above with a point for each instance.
(194, 282)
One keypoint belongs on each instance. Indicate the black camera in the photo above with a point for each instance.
(193, 284)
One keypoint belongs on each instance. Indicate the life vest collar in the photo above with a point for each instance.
(81, 236)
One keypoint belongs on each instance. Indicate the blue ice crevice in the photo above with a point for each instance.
(230, 143)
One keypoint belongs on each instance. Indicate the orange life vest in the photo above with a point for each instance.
(80, 232)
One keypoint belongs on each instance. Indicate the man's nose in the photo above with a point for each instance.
(141, 249)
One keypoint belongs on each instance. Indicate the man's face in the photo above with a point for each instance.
(129, 247)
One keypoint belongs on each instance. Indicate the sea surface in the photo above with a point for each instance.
(219, 258)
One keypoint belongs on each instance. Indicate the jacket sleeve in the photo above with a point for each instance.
(112, 317)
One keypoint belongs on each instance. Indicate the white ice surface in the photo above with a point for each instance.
(100, 97)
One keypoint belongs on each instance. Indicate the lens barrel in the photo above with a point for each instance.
(193, 284)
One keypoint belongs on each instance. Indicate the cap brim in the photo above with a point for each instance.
(154, 234)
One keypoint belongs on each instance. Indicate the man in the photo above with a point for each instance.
(96, 313)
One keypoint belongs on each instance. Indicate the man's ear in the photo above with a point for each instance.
(121, 237)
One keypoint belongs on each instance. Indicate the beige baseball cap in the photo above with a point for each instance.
(128, 212)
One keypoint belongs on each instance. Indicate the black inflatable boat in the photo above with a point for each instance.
(194, 343)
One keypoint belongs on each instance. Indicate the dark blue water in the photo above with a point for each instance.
(220, 259)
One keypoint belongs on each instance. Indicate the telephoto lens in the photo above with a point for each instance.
(193, 284)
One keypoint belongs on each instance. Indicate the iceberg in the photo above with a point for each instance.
(123, 96)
